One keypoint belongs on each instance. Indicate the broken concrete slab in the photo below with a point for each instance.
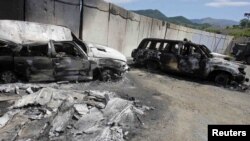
(7, 117)
(25, 32)
(60, 123)
(78, 115)
(81, 109)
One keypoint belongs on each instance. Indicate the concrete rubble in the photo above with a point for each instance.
(56, 114)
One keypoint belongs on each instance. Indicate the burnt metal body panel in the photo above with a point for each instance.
(41, 62)
(241, 51)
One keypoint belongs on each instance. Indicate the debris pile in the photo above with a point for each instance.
(55, 114)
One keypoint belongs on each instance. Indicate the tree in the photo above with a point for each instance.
(247, 15)
(244, 23)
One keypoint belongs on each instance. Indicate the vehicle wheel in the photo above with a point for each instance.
(152, 65)
(8, 77)
(248, 60)
(222, 79)
(106, 75)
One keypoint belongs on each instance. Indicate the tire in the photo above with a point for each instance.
(8, 77)
(152, 65)
(222, 79)
(106, 75)
(248, 60)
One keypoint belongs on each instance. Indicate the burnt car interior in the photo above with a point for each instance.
(67, 50)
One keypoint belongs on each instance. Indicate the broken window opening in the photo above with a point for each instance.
(3, 44)
(4, 51)
(66, 50)
(38, 50)
(174, 48)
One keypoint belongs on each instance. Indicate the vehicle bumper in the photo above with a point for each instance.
(240, 78)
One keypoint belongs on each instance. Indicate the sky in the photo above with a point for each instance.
(192, 9)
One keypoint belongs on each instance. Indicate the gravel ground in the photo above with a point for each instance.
(183, 106)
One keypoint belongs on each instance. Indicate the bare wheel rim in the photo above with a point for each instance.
(222, 79)
(107, 75)
(8, 77)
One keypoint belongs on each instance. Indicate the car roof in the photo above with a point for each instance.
(35, 43)
(168, 40)
(7, 41)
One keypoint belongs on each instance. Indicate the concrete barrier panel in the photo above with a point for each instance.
(219, 43)
(182, 33)
(67, 13)
(64, 12)
(172, 32)
(204, 38)
(117, 27)
(158, 29)
(132, 33)
(228, 45)
(12, 9)
(145, 28)
(41, 11)
(96, 21)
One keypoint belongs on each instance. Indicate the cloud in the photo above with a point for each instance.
(227, 3)
(120, 1)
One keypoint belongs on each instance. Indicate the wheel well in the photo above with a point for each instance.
(97, 72)
(213, 74)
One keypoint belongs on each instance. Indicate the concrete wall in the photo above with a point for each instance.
(58, 12)
(12, 9)
(107, 24)
(110, 25)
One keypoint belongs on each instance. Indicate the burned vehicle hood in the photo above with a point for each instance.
(222, 63)
(22, 32)
(99, 51)
(218, 55)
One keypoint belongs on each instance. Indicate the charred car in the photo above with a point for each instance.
(242, 52)
(187, 58)
(35, 55)
(59, 61)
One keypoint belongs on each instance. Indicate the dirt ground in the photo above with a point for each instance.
(183, 106)
(190, 105)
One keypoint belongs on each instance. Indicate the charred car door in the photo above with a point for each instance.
(190, 59)
(70, 62)
(34, 63)
(169, 56)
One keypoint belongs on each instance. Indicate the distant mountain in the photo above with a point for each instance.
(180, 20)
(152, 13)
(194, 23)
(216, 22)
(177, 20)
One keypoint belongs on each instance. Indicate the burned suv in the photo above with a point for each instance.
(58, 61)
(242, 52)
(187, 58)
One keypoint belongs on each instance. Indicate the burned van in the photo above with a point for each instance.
(187, 58)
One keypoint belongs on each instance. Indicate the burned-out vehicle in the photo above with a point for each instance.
(187, 58)
(242, 52)
(58, 61)
(43, 59)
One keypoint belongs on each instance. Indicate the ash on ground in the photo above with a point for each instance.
(50, 113)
